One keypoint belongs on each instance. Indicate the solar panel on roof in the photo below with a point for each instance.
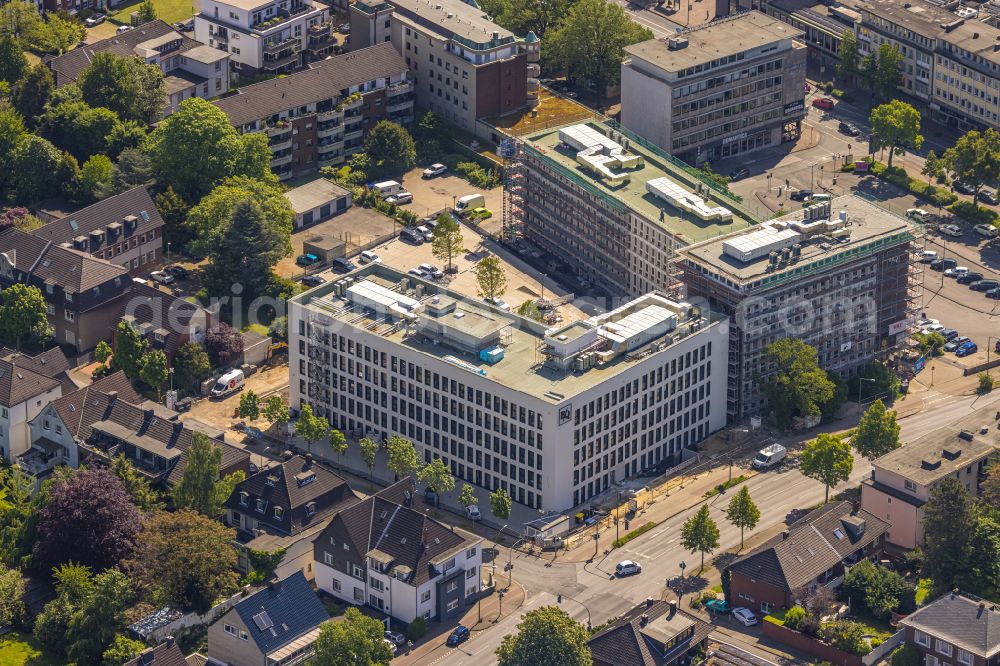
(263, 621)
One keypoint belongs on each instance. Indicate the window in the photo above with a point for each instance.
(943, 648)
(471, 573)
(70, 316)
(470, 553)
(235, 631)
(261, 506)
(278, 512)
(909, 485)
(327, 558)
(244, 498)
(452, 586)
(964, 657)
(425, 597)
(922, 639)
(452, 605)
(357, 571)
(336, 585)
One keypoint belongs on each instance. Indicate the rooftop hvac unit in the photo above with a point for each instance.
(796, 251)
(786, 254)
(772, 259)
(580, 363)
(675, 43)
(420, 290)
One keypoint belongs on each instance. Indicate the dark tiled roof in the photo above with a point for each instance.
(810, 546)
(18, 383)
(98, 216)
(164, 654)
(292, 485)
(68, 67)
(79, 409)
(292, 608)
(52, 364)
(74, 271)
(172, 316)
(629, 642)
(323, 81)
(961, 621)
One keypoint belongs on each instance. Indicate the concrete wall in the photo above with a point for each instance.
(809, 645)
(906, 519)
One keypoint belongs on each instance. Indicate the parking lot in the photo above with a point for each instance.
(431, 195)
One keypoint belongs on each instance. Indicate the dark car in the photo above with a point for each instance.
(943, 264)
(850, 129)
(956, 343)
(739, 174)
(989, 197)
(343, 265)
(411, 236)
(969, 278)
(984, 285)
(459, 635)
(966, 349)
(800, 195)
(994, 294)
(179, 272)
(949, 334)
(961, 187)
(313, 281)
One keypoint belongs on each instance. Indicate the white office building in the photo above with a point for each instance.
(553, 416)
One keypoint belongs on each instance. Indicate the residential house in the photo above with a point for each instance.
(190, 68)
(902, 480)
(654, 633)
(167, 653)
(957, 629)
(388, 554)
(813, 551)
(276, 625)
(319, 117)
(82, 293)
(285, 506)
(125, 229)
(317, 201)
(165, 320)
(23, 394)
(51, 363)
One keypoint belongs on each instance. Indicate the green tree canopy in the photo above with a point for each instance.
(896, 126)
(209, 221)
(78, 128)
(191, 365)
(96, 175)
(369, 449)
(12, 586)
(249, 408)
(501, 504)
(310, 427)
(949, 522)
(276, 410)
(847, 63)
(700, 534)
(200, 487)
(742, 512)
(798, 387)
(877, 433)
(22, 312)
(147, 11)
(975, 158)
(390, 147)
(828, 460)
(231, 264)
(589, 42)
(467, 497)
(546, 635)
(93, 626)
(12, 133)
(35, 169)
(889, 72)
(403, 458)
(121, 651)
(523, 16)
(437, 477)
(13, 63)
(154, 370)
(126, 85)
(130, 348)
(356, 641)
(446, 239)
(136, 485)
(490, 278)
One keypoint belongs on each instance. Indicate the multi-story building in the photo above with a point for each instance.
(553, 416)
(190, 68)
(611, 206)
(319, 117)
(718, 90)
(822, 24)
(837, 275)
(265, 36)
(902, 480)
(464, 66)
(955, 629)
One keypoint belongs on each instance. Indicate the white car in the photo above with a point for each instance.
(369, 257)
(432, 271)
(932, 328)
(956, 272)
(627, 568)
(745, 616)
(919, 214)
(987, 230)
(927, 256)
(426, 233)
(950, 230)
(416, 272)
(473, 512)
(399, 198)
(161, 277)
(123, 29)
(498, 303)
(434, 170)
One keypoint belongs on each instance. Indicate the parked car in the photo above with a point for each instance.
(963, 188)
(745, 616)
(823, 103)
(400, 198)
(369, 257)
(627, 568)
(395, 637)
(943, 264)
(498, 303)
(918, 214)
(411, 235)
(952, 230)
(343, 265)
(800, 195)
(416, 272)
(307, 259)
(993, 293)
(986, 230)
(927, 256)
(392, 646)
(426, 232)
(434, 170)
(162, 277)
(459, 635)
(966, 349)
(313, 281)
(969, 278)
(95, 20)
(717, 606)
(739, 174)
(480, 213)
(932, 328)
(473, 512)
(432, 271)
(178, 272)
(988, 197)
(956, 272)
(344, 28)
(956, 343)
(848, 128)
(984, 285)
(948, 334)
(122, 29)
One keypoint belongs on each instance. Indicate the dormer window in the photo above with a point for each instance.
(278, 512)
(311, 508)
(244, 498)
(261, 506)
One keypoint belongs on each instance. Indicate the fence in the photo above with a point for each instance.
(879, 653)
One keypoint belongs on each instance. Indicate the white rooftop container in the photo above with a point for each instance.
(760, 243)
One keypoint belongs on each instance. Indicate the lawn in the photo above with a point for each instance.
(170, 11)
(924, 587)
(17, 649)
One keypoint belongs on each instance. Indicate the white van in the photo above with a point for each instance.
(387, 187)
(918, 214)
(987, 230)
(819, 198)
(468, 202)
(769, 456)
(228, 383)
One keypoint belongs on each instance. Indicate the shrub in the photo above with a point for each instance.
(985, 382)
(794, 617)
(847, 636)
(942, 197)
(417, 629)
(477, 175)
(972, 212)
(907, 655)
(618, 543)
(848, 168)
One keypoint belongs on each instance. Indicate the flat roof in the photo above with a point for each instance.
(633, 194)
(718, 39)
(314, 194)
(866, 223)
(453, 17)
(522, 367)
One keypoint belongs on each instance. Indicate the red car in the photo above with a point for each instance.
(823, 103)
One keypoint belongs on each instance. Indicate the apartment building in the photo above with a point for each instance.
(837, 275)
(464, 66)
(554, 417)
(719, 90)
(902, 480)
(318, 117)
(612, 207)
(190, 68)
(265, 36)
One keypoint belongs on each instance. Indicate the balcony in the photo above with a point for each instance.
(279, 161)
(330, 160)
(325, 116)
(278, 128)
(277, 145)
(400, 88)
(277, 63)
(335, 130)
(354, 134)
(277, 46)
(325, 148)
(533, 86)
(321, 44)
(43, 457)
(395, 106)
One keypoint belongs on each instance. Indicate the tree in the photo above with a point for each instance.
(13, 62)
(276, 410)
(19, 218)
(985, 382)
(989, 489)
(403, 458)
(249, 406)
(34, 169)
(12, 588)
(197, 147)
(700, 534)
(896, 125)
(828, 460)
(147, 11)
(200, 488)
(847, 64)
(93, 627)
(310, 427)
(231, 264)
(191, 365)
(467, 497)
(89, 519)
(126, 85)
(524, 16)
(931, 344)
(390, 147)
(975, 159)
(186, 560)
(949, 523)
(589, 42)
(96, 175)
(798, 386)
(529, 310)
(224, 344)
(135, 484)
(356, 641)
(154, 370)
(338, 444)
(983, 571)
(446, 239)
(546, 635)
(501, 504)
(880, 589)
(368, 448)
(209, 221)
(12, 133)
(889, 71)
(18, 516)
(846, 635)
(934, 166)
(130, 349)
(877, 433)
(74, 584)
(79, 129)
(490, 278)
(742, 512)
(437, 477)
(121, 651)
(22, 311)
(132, 169)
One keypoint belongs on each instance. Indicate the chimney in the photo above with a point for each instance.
(954, 593)
(784, 535)
(274, 583)
(982, 609)
(649, 601)
(112, 396)
(169, 640)
(309, 460)
(673, 608)
(643, 620)
(148, 413)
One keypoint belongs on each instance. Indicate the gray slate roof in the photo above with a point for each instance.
(165, 654)
(628, 642)
(51, 363)
(97, 216)
(74, 271)
(292, 607)
(173, 316)
(811, 546)
(969, 623)
(18, 383)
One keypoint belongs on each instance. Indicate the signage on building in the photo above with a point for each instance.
(900, 326)
(794, 107)
(845, 346)
(735, 137)
(565, 414)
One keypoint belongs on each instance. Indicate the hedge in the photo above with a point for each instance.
(897, 176)
(973, 213)
(618, 543)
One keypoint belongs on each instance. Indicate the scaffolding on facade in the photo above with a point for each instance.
(514, 177)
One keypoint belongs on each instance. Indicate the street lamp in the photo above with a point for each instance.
(479, 605)
(168, 252)
(683, 566)
(590, 627)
